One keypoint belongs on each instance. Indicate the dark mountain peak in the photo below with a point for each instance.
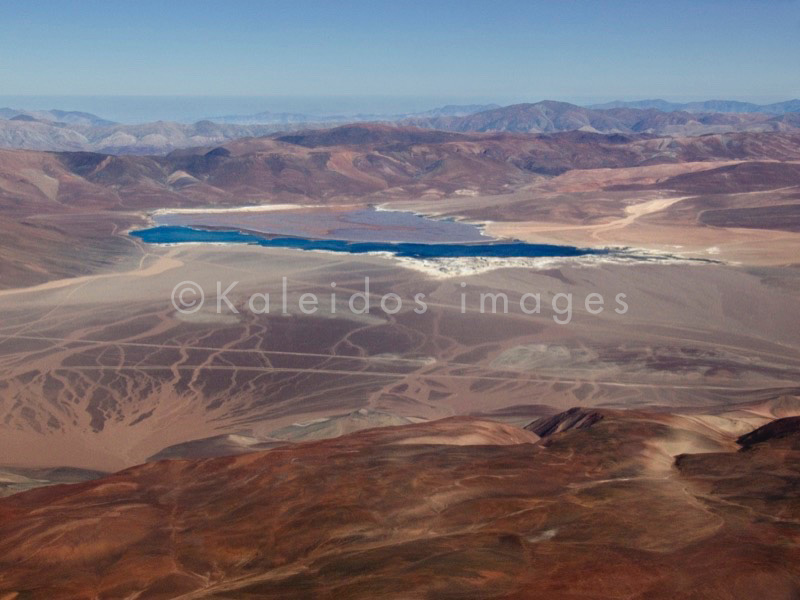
(788, 427)
(218, 152)
(76, 117)
(361, 134)
(574, 418)
(81, 163)
(541, 106)
(555, 105)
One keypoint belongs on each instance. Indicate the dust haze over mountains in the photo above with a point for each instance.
(60, 130)
(72, 131)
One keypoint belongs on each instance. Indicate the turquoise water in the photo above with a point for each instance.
(498, 249)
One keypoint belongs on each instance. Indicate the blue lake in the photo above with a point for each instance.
(331, 223)
(171, 234)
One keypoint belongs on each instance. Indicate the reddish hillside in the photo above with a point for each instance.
(596, 512)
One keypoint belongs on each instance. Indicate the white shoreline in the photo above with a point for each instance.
(232, 209)
(448, 267)
(434, 216)
(466, 266)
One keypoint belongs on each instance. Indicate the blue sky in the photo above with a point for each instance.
(493, 49)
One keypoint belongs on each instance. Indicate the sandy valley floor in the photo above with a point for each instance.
(102, 372)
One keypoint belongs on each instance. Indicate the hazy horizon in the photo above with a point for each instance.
(190, 108)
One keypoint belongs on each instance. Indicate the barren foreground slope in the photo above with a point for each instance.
(459, 508)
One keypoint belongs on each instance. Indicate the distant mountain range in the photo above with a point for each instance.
(549, 117)
(718, 106)
(57, 130)
(148, 138)
(67, 117)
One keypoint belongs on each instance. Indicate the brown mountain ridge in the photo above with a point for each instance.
(598, 509)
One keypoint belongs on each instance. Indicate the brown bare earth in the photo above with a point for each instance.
(102, 372)
(609, 504)
(427, 486)
(98, 370)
